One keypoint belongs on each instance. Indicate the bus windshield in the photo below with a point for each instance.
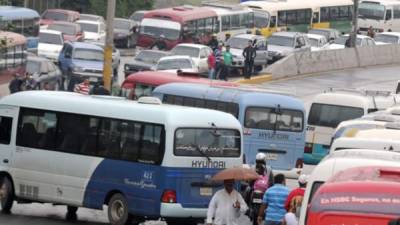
(170, 34)
(91, 55)
(207, 142)
(274, 119)
(331, 115)
(281, 41)
(387, 38)
(371, 11)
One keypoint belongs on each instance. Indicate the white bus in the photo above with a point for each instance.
(334, 106)
(382, 15)
(334, 14)
(142, 159)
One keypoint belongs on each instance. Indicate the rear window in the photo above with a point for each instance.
(331, 115)
(353, 202)
(206, 142)
(274, 119)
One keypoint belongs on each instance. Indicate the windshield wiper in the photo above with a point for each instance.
(203, 154)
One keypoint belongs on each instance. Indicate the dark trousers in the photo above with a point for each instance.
(225, 72)
(248, 68)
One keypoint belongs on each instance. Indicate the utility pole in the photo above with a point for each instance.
(107, 70)
(355, 24)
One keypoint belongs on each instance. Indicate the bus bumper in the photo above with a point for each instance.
(293, 173)
(176, 210)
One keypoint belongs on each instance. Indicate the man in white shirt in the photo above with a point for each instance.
(226, 206)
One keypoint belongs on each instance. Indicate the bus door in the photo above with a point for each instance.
(8, 124)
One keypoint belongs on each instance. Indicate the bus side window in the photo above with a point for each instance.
(5, 130)
(272, 24)
(226, 23)
(388, 14)
(316, 17)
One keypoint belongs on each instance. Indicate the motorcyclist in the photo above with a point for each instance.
(261, 159)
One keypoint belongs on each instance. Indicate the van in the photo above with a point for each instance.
(357, 196)
(341, 160)
(334, 106)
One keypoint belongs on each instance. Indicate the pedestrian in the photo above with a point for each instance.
(218, 60)
(15, 84)
(293, 214)
(213, 43)
(211, 66)
(249, 54)
(226, 206)
(227, 37)
(347, 44)
(228, 58)
(273, 207)
(99, 89)
(83, 88)
(371, 32)
(302, 181)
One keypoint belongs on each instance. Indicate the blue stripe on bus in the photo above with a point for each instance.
(143, 185)
(318, 153)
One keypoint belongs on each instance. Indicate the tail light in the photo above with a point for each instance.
(299, 163)
(169, 196)
(308, 148)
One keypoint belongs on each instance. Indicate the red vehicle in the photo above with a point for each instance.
(70, 31)
(357, 196)
(51, 15)
(171, 26)
(12, 55)
(143, 83)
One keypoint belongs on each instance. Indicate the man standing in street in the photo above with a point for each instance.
(298, 191)
(213, 43)
(226, 206)
(211, 66)
(249, 54)
(273, 207)
(228, 58)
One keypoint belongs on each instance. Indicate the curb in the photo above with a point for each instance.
(256, 80)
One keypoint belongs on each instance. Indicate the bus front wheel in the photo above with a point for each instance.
(6, 194)
(118, 211)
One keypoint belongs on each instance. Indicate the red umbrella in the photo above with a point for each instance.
(236, 173)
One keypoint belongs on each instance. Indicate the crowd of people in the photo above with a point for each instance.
(280, 206)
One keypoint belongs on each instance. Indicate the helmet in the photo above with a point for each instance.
(261, 158)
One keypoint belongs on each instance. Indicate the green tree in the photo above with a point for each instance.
(124, 8)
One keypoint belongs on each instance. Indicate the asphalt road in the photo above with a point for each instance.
(376, 78)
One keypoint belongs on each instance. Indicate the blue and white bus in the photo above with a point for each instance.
(273, 123)
(142, 159)
(22, 21)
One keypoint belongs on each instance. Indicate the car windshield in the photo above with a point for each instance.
(88, 54)
(371, 11)
(174, 64)
(137, 16)
(55, 16)
(314, 42)
(207, 142)
(320, 32)
(156, 32)
(32, 67)
(281, 41)
(88, 27)
(239, 43)
(186, 50)
(149, 56)
(387, 38)
(122, 24)
(342, 40)
(49, 38)
(63, 28)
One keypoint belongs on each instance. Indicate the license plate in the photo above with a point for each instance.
(205, 191)
(257, 200)
(271, 156)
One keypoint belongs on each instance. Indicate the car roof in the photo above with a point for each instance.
(175, 57)
(123, 19)
(325, 29)
(397, 34)
(247, 36)
(66, 11)
(51, 32)
(88, 21)
(85, 45)
(286, 34)
(358, 36)
(316, 36)
(64, 23)
(191, 45)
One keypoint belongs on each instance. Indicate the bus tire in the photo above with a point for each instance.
(71, 213)
(6, 194)
(118, 211)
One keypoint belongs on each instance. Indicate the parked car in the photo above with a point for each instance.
(281, 44)
(70, 31)
(318, 42)
(45, 73)
(330, 34)
(143, 61)
(239, 42)
(93, 30)
(387, 37)
(51, 15)
(92, 17)
(116, 57)
(80, 60)
(362, 41)
(137, 16)
(50, 44)
(178, 62)
(124, 35)
(199, 54)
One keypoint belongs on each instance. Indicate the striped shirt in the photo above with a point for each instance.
(275, 198)
(82, 89)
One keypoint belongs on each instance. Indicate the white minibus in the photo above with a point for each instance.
(143, 159)
(381, 15)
